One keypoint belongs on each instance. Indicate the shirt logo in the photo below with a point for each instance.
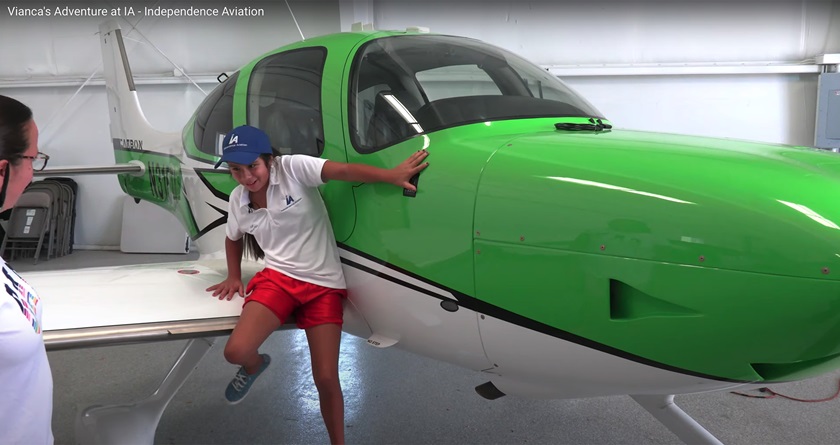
(289, 202)
(27, 301)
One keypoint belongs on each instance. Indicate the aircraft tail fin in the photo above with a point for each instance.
(135, 141)
(129, 128)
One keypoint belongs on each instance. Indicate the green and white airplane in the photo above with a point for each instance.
(558, 256)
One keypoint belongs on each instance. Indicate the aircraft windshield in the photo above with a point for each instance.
(406, 85)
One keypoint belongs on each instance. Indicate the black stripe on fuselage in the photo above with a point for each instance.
(220, 221)
(216, 192)
(482, 307)
(392, 279)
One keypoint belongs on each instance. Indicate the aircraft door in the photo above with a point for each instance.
(409, 258)
(409, 261)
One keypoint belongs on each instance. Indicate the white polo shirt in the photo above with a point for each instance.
(294, 230)
(26, 386)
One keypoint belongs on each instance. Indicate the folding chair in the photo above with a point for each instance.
(67, 217)
(28, 224)
(74, 190)
(53, 233)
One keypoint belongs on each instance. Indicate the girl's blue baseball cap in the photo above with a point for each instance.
(243, 145)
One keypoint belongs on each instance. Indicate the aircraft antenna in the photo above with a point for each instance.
(295, 20)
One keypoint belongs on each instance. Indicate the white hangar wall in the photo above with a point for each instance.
(47, 61)
(620, 55)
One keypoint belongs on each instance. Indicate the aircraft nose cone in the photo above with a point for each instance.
(717, 258)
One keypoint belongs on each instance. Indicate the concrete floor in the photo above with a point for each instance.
(392, 396)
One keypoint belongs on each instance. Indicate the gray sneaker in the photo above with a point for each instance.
(238, 388)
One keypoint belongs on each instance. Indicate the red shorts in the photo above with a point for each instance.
(310, 303)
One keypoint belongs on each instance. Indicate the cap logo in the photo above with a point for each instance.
(243, 145)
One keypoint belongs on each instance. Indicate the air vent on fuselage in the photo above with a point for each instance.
(629, 303)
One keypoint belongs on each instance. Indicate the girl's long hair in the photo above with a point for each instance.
(250, 247)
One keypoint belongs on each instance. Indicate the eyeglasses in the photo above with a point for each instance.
(39, 161)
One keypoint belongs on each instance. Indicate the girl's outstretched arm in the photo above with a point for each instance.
(398, 175)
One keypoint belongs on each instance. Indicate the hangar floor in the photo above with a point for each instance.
(392, 396)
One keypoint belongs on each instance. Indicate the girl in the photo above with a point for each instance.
(278, 206)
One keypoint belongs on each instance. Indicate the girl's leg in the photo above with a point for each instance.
(255, 324)
(324, 341)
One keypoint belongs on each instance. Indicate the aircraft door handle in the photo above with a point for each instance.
(413, 181)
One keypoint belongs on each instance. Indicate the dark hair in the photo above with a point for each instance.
(250, 247)
(13, 137)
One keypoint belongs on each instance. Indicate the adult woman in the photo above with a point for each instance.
(25, 378)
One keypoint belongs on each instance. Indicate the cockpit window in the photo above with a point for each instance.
(472, 81)
(214, 117)
(402, 86)
(284, 100)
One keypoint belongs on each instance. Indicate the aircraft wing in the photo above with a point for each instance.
(137, 303)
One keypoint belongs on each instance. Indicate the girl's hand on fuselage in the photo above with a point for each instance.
(227, 289)
(408, 168)
(357, 172)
